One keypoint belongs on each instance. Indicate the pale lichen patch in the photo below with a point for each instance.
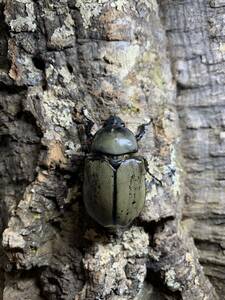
(89, 9)
(222, 47)
(135, 242)
(112, 262)
(58, 111)
(22, 23)
(174, 171)
(12, 239)
(63, 36)
(151, 4)
(66, 75)
(170, 280)
(119, 4)
(121, 58)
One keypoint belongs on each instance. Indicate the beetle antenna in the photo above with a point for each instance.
(141, 130)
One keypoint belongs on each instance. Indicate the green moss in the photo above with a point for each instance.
(131, 109)
(157, 76)
(36, 216)
(154, 69)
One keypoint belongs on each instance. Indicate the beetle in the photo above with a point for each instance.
(114, 175)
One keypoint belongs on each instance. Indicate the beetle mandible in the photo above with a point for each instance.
(114, 176)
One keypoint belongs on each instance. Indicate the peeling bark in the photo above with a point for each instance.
(57, 57)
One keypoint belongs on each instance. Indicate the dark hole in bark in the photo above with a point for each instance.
(12, 89)
(4, 63)
(39, 63)
(70, 68)
(153, 226)
(4, 35)
(28, 117)
(57, 225)
(5, 140)
(155, 278)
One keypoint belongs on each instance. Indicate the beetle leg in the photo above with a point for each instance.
(88, 124)
(141, 130)
(84, 126)
(153, 176)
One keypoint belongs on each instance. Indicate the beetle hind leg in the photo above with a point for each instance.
(159, 182)
(155, 178)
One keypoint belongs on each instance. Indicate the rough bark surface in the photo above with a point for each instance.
(195, 31)
(111, 57)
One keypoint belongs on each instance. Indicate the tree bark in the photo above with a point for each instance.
(139, 60)
(196, 38)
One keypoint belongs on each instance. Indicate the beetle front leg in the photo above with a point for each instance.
(141, 130)
(84, 127)
(153, 176)
(88, 124)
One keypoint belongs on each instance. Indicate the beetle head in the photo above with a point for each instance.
(114, 138)
(113, 122)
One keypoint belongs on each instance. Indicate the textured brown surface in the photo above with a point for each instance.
(196, 43)
(113, 57)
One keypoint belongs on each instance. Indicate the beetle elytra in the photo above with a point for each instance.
(114, 175)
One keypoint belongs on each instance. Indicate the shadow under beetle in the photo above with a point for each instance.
(114, 177)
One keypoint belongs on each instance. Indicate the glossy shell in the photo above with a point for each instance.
(114, 141)
(114, 197)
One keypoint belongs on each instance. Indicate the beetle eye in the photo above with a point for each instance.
(123, 124)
